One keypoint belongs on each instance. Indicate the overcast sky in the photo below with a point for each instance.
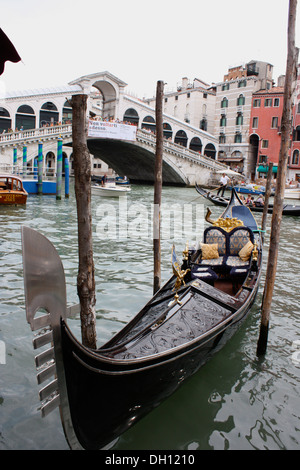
(141, 41)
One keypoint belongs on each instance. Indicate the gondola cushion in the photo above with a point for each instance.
(235, 261)
(209, 251)
(229, 246)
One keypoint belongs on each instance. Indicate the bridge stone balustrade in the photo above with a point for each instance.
(181, 165)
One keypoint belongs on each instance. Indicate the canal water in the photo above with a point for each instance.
(234, 402)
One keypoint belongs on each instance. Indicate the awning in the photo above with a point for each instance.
(265, 169)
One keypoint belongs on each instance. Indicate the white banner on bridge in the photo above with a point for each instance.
(111, 130)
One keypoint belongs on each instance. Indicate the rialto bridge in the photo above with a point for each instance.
(44, 117)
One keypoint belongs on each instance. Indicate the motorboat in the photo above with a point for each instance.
(12, 191)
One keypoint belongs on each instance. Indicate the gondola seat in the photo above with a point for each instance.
(214, 236)
(229, 246)
(239, 238)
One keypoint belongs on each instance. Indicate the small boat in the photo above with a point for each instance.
(252, 189)
(288, 209)
(292, 193)
(103, 392)
(122, 180)
(109, 189)
(12, 191)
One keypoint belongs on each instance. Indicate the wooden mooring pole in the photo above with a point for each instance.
(290, 79)
(82, 170)
(267, 198)
(158, 186)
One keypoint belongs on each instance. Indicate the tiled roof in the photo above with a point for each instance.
(271, 91)
(40, 91)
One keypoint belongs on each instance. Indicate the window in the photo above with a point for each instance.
(166, 100)
(239, 119)
(242, 83)
(263, 159)
(255, 123)
(225, 86)
(276, 102)
(298, 108)
(176, 97)
(264, 144)
(268, 102)
(256, 103)
(203, 124)
(188, 95)
(222, 139)
(295, 159)
(296, 134)
(223, 120)
(274, 122)
(224, 103)
(204, 95)
(238, 138)
(240, 100)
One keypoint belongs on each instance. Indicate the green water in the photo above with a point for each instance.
(233, 402)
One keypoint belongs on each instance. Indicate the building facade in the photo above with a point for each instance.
(193, 102)
(233, 113)
(265, 125)
(294, 159)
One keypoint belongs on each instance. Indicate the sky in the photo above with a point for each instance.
(141, 41)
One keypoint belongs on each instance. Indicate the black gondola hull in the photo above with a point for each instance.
(103, 392)
(288, 209)
(106, 398)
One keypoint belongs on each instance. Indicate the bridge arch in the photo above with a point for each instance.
(48, 114)
(149, 123)
(25, 117)
(196, 144)
(131, 115)
(210, 151)
(181, 138)
(109, 94)
(67, 113)
(5, 120)
(167, 131)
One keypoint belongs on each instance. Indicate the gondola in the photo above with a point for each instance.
(102, 393)
(288, 209)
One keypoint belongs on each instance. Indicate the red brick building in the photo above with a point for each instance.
(294, 160)
(265, 125)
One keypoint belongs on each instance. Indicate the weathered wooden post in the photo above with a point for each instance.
(82, 171)
(158, 186)
(290, 77)
(267, 198)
